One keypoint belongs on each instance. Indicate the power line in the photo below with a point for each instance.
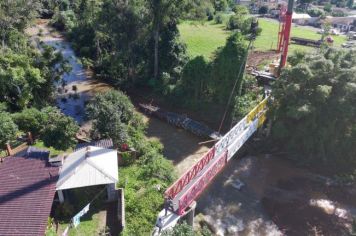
(243, 64)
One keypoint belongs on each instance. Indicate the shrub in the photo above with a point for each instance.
(30, 120)
(210, 15)
(218, 19)
(239, 22)
(315, 12)
(59, 130)
(240, 10)
(8, 128)
(263, 10)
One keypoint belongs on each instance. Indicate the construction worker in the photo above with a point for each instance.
(159, 225)
(168, 204)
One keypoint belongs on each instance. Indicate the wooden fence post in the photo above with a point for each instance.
(30, 138)
(8, 149)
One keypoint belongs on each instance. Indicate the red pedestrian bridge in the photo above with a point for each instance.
(193, 182)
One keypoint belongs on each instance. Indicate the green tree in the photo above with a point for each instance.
(198, 9)
(59, 130)
(240, 10)
(239, 22)
(8, 129)
(225, 67)
(162, 12)
(111, 112)
(27, 80)
(30, 120)
(16, 15)
(195, 79)
(328, 7)
(220, 5)
(314, 108)
(18, 78)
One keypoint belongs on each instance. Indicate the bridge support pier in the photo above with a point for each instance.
(191, 213)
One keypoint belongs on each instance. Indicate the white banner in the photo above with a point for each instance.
(228, 138)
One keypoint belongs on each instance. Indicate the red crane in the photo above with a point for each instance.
(284, 31)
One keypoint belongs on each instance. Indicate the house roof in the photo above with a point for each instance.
(26, 195)
(104, 143)
(297, 16)
(87, 167)
(341, 20)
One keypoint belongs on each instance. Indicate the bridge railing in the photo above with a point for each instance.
(189, 175)
(193, 192)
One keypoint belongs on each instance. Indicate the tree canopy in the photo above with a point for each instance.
(111, 112)
(314, 108)
(8, 128)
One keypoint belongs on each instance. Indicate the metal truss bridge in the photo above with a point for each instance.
(193, 182)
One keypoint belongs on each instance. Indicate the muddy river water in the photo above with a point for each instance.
(253, 195)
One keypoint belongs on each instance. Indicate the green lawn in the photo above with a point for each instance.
(268, 38)
(203, 38)
(53, 152)
(86, 227)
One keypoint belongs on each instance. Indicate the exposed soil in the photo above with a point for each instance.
(256, 58)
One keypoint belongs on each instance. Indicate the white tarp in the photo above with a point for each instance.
(88, 167)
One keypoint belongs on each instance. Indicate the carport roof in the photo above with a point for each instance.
(88, 167)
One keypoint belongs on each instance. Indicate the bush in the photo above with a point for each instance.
(64, 20)
(218, 19)
(263, 10)
(315, 12)
(111, 113)
(194, 81)
(30, 120)
(328, 7)
(239, 22)
(210, 15)
(59, 130)
(8, 129)
(338, 14)
(240, 10)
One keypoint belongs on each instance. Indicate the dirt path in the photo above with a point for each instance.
(179, 146)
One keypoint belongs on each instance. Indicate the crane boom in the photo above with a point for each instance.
(286, 33)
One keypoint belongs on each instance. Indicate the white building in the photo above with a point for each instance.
(89, 166)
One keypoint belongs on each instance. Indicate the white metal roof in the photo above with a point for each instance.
(297, 16)
(87, 167)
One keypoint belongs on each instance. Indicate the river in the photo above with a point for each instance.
(253, 195)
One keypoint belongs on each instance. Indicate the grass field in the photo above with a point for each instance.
(203, 38)
(268, 38)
